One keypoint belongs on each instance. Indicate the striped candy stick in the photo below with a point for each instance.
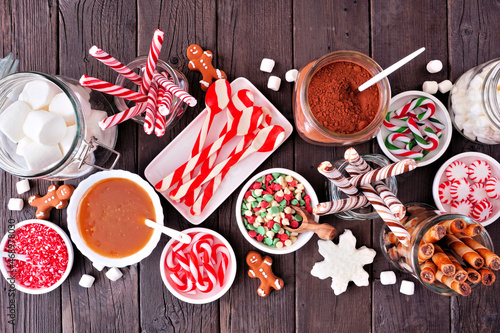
(266, 140)
(341, 205)
(175, 90)
(114, 64)
(390, 170)
(154, 53)
(150, 117)
(327, 170)
(397, 125)
(111, 89)
(391, 144)
(422, 102)
(122, 116)
(428, 142)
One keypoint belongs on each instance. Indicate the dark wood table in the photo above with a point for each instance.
(54, 37)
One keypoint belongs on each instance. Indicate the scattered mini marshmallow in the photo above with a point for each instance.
(86, 281)
(23, 186)
(38, 156)
(430, 87)
(387, 277)
(434, 66)
(44, 127)
(67, 140)
(291, 75)
(15, 204)
(12, 120)
(62, 106)
(445, 86)
(114, 274)
(267, 65)
(98, 266)
(407, 287)
(274, 83)
(38, 93)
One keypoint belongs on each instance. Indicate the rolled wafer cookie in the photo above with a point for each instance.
(473, 230)
(425, 251)
(442, 261)
(490, 258)
(453, 226)
(464, 252)
(384, 172)
(428, 271)
(460, 287)
(328, 170)
(487, 276)
(460, 273)
(434, 234)
(472, 275)
(337, 206)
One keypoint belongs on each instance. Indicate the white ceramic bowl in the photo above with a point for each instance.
(467, 158)
(199, 297)
(73, 227)
(302, 238)
(71, 257)
(441, 114)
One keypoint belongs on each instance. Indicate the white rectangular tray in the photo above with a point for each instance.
(177, 153)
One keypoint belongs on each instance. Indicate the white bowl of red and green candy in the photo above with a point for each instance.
(302, 238)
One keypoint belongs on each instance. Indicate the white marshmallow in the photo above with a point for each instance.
(86, 281)
(20, 146)
(460, 119)
(407, 287)
(12, 120)
(475, 110)
(44, 127)
(38, 93)
(114, 274)
(83, 91)
(469, 125)
(267, 65)
(469, 135)
(67, 140)
(22, 186)
(445, 86)
(85, 104)
(476, 83)
(274, 83)
(92, 123)
(434, 66)
(430, 87)
(15, 204)
(38, 156)
(291, 75)
(387, 277)
(98, 266)
(474, 95)
(483, 122)
(61, 105)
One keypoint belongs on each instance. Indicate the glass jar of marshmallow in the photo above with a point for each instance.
(49, 127)
(474, 103)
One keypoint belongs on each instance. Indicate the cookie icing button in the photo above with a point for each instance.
(291, 75)
(267, 65)
(15, 204)
(274, 83)
(114, 274)
(22, 186)
(86, 281)
(434, 66)
(430, 87)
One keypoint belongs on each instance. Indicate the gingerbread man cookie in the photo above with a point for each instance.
(261, 268)
(57, 197)
(201, 61)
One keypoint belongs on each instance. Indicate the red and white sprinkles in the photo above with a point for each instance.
(470, 189)
(198, 266)
(47, 256)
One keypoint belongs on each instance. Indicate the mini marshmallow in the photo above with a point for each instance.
(98, 266)
(23, 186)
(38, 156)
(274, 83)
(476, 83)
(291, 75)
(434, 66)
(114, 274)
(86, 281)
(44, 127)
(12, 120)
(67, 140)
(38, 93)
(407, 287)
(445, 86)
(387, 277)
(267, 65)
(15, 204)
(62, 106)
(430, 87)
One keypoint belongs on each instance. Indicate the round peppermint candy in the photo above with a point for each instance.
(459, 189)
(477, 193)
(479, 171)
(482, 210)
(444, 192)
(457, 170)
(493, 187)
(463, 207)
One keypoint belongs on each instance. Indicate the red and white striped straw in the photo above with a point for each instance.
(154, 53)
(149, 119)
(111, 89)
(174, 89)
(115, 65)
(122, 116)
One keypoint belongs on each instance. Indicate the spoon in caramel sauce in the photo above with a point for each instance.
(177, 235)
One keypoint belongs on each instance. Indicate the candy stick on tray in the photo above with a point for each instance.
(115, 65)
(109, 88)
(341, 205)
(327, 170)
(464, 252)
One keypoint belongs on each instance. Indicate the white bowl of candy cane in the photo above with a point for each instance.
(187, 273)
(399, 141)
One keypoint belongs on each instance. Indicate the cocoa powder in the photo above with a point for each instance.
(335, 101)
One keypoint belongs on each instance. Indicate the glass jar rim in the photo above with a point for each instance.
(369, 64)
(490, 100)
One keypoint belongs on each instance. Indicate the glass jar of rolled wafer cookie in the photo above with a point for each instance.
(450, 254)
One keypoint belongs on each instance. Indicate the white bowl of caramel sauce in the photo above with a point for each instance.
(106, 217)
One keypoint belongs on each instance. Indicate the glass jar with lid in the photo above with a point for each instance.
(474, 103)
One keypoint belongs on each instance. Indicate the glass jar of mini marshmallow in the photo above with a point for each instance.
(474, 103)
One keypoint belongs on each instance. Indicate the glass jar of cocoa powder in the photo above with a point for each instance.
(329, 110)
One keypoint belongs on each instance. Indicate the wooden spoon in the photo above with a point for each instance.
(323, 230)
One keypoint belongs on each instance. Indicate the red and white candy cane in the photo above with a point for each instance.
(423, 103)
(428, 141)
(154, 53)
(114, 64)
(111, 89)
(122, 116)
(150, 117)
(392, 143)
(394, 124)
(174, 89)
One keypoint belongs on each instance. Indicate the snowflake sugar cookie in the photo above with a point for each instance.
(343, 263)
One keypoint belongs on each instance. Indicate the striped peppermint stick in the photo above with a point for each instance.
(160, 125)
(154, 53)
(327, 170)
(111, 89)
(178, 92)
(115, 65)
(122, 116)
(384, 172)
(391, 142)
(337, 206)
(165, 101)
(150, 118)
